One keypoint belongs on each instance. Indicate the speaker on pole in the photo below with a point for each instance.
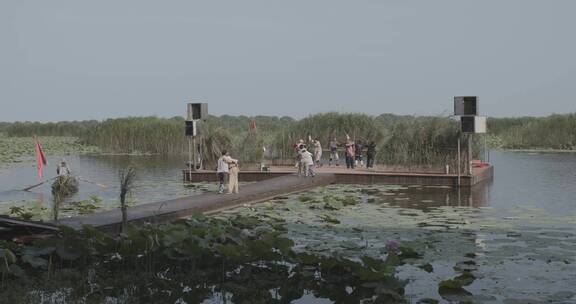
(197, 111)
(466, 106)
(473, 124)
(191, 128)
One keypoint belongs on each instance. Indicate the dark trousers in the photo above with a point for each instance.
(349, 162)
(369, 161)
(223, 179)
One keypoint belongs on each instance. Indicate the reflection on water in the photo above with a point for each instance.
(427, 198)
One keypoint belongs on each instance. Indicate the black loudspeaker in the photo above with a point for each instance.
(191, 128)
(466, 105)
(473, 124)
(197, 111)
(467, 123)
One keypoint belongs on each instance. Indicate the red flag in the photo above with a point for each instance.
(253, 124)
(40, 159)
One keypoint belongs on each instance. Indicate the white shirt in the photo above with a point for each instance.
(307, 158)
(223, 163)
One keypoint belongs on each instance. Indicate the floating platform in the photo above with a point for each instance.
(358, 176)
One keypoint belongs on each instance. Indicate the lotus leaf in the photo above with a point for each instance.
(8, 256)
(35, 262)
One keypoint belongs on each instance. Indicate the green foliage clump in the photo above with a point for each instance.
(325, 127)
(421, 142)
(188, 259)
(555, 132)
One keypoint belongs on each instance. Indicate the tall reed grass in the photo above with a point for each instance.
(400, 139)
(552, 132)
(325, 127)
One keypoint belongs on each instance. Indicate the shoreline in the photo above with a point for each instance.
(535, 150)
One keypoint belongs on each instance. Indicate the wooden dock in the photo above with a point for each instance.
(278, 182)
(111, 221)
(359, 176)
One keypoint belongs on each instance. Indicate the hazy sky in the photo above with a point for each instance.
(67, 60)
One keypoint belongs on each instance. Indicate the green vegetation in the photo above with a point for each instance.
(127, 179)
(426, 141)
(401, 140)
(63, 128)
(241, 259)
(555, 132)
(138, 135)
(64, 186)
(326, 127)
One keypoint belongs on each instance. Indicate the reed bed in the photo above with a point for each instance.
(556, 132)
(408, 140)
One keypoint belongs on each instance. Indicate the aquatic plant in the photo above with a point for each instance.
(242, 258)
(19, 149)
(64, 186)
(127, 178)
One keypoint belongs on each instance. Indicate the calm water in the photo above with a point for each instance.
(157, 178)
(517, 233)
(546, 181)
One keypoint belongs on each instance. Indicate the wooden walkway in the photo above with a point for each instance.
(359, 176)
(111, 221)
(269, 185)
(11, 228)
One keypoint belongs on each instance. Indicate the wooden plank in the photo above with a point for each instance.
(359, 176)
(204, 203)
(23, 223)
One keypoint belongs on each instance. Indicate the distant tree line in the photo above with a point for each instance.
(408, 140)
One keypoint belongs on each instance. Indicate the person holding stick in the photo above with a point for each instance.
(350, 153)
(317, 152)
(334, 152)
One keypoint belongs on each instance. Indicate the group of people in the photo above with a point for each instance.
(227, 171)
(353, 151)
(306, 160)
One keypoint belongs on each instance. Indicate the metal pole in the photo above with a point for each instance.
(189, 159)
(194, 151)
(459, 161)
(469, 154)
(485, 149)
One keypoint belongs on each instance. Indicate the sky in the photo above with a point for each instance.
(76, 60)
